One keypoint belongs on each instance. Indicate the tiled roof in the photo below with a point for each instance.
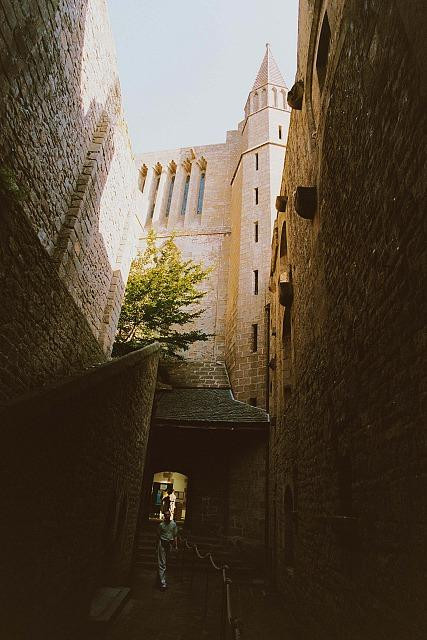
(268, 72)
(209, 408)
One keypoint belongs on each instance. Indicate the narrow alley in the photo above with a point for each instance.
(213, 319)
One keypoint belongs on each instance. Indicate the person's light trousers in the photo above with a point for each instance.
(162, 555)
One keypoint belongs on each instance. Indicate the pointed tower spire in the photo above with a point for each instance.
(269, 72)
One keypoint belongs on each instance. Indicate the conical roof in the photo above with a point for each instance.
(269, 72)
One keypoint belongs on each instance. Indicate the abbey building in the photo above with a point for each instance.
(219, 202)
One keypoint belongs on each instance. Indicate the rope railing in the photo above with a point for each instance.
(228, 621)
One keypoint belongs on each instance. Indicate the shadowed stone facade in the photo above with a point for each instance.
(73, 449)
(347, 452)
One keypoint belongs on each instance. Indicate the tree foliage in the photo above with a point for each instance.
(161, 295)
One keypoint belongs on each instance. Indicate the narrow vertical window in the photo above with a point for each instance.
(256, 282)
(153, 203)
(201, 192)
(256, 162)
(256, 231)
(256, 195)
(185, 195)
(323, 51)
(280, 131)
(254, 337)
(171, 186)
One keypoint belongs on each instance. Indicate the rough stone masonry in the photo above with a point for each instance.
(347, 518)
(73, 449)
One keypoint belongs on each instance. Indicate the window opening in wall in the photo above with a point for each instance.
(185, 195)
(283, 242)
(275, 96)
(164, 482)
(256, 282)
(256, 232)
(201, 192)
(256, 162)
(254, 337)
(253, 402)
(153, 203)
(323, 51)
(256, 195)
(284, 103)
(171, 186)
(280, 131)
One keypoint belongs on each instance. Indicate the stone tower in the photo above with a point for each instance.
(255, 184)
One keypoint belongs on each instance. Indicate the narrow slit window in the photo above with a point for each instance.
(256, 162)
(171, 186)
(280, 131)
(185, 196)
(256, 282)
(254, 338)
(256, 232)
(323, 52)
(153, 203)
(256, 195)
(201, 192)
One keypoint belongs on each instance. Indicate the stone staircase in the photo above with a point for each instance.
(242, 568)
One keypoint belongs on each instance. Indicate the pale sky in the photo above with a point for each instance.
(186, 68)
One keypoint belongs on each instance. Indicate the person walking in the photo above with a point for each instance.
(166, 503)
(168, 536)
(172, 501)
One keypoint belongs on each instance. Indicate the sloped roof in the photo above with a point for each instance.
(269, 72)
(208, 408)
(198, 395)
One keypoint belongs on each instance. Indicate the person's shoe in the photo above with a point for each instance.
(163, 587)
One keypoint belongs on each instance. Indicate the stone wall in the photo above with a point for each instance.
(68, 186)
(71, 478)
(347, 514)
(247, 489)
(203, 237)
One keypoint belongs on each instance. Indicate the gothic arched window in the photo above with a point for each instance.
(201, 192)
(171, 186)
(275, 96)
(256, 102)
(153, 201)
(185, 195)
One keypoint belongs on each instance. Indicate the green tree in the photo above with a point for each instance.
(161, 294)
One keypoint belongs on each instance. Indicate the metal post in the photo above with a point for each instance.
(182, 563)
(193, 559)
(206, 593)
(223, 611)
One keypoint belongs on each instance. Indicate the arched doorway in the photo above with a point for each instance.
(162, 482)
